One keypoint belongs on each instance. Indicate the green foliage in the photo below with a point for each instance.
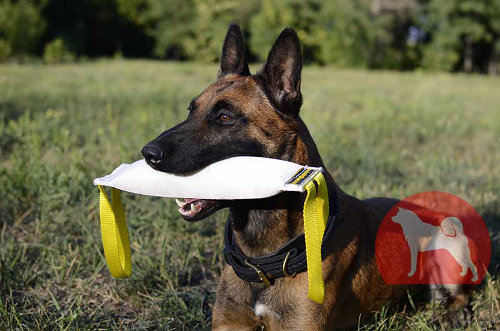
(379, 133)
(460, 31)
(193, 29)
(274, 16)
(211, 19)
(98, 27)
(131, 9)
(444, 51)
(447, 35)
(5, 50)
(171, 24)
(344, 33)
(348, 33)
(57, 52)
(21, 25)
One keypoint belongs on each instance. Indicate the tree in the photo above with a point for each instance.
(462, 31)
(21, 26)
(193, 29)
(170, 23)
(345, 33)
(274, 16)
(96, 27)
(349, 33)
(492, 22)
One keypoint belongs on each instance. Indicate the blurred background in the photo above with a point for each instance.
(446, 35)
(400, 96)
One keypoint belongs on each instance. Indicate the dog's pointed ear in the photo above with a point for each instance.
(282, 73)
(233, 59)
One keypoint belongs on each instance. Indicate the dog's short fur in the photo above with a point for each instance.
(258, 115)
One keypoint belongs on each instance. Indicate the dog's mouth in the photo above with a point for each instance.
(196, 209)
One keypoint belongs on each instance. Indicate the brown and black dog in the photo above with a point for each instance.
(258, 115)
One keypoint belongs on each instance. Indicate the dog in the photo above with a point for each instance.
(241, 114)
(423, 237)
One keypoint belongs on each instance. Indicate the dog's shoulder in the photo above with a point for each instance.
(380, 206)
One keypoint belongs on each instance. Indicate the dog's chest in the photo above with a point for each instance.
(278, 307)
(268, 319)
(261, 311)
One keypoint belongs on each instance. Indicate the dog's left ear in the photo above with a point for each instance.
(282, 73)
(233, 60)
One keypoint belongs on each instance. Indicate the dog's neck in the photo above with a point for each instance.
(262, 226)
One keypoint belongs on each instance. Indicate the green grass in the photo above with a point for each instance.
(380, 133)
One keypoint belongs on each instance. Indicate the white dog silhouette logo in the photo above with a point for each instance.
(433, 238)
(422, 237)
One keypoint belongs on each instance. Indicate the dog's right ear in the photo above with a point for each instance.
(282, 73)
(233, 59)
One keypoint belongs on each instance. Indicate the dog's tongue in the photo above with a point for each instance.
(189, 200)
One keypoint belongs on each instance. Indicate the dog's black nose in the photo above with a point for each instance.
(152, 154)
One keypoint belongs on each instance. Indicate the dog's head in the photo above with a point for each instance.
(238, 115)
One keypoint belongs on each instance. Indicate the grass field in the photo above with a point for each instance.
(380, 133)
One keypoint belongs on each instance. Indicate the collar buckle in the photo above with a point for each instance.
(264, 279)
(285, 261)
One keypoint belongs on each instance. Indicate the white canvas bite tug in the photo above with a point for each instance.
(236, 178)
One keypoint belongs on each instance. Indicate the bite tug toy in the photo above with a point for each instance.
(242, 177)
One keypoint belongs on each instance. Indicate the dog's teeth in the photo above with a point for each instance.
(180, 203)
(195, 208)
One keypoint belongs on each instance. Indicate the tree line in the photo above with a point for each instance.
(447, 35)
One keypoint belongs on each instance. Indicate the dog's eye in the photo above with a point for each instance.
(223, 118)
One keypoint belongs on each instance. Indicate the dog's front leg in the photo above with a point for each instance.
(230, 317)
(231, 327)
(233, 310)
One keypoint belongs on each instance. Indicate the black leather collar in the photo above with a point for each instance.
(272, 265)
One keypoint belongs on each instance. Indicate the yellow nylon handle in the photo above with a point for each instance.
(315, 217)
(114, 234)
